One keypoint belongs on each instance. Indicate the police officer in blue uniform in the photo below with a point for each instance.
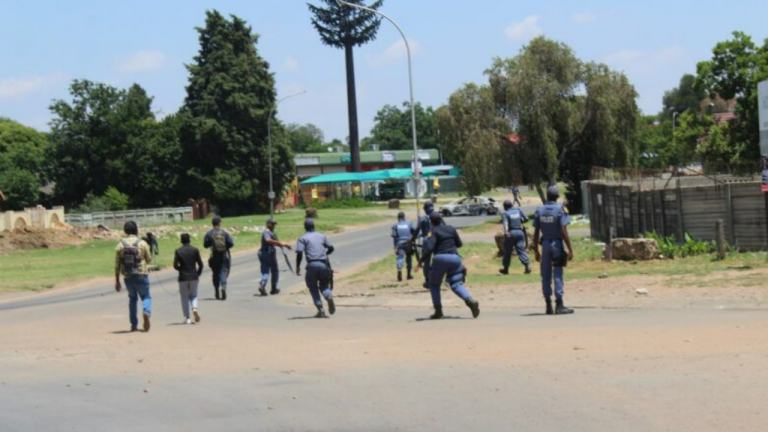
(316, 247)
(551, 223)
(423, 229)
(512, 221)
(268, 258)
(442, 248)
(402, 232)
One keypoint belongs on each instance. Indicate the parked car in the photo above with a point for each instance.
(470, 206)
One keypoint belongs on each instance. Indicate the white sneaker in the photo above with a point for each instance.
(187, 321)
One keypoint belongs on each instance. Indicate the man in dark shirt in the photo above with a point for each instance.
(442, 247)
(220, 242)
(189, 264)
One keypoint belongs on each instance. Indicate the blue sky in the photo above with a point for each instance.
(46, 44)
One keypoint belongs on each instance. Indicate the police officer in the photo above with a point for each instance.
(268, 258)
(402, 232)
(423, 229)
(220, 261)
(442, 248)
(316, 247)
(512, 221)
(551, 223)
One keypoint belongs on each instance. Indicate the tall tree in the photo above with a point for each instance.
(23, 163)
(686, 96)
(306, 138)
(224, 119)
(345, 28)
(392, 129)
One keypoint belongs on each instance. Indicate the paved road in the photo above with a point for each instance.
(262, 364)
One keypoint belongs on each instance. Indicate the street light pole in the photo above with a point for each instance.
(269, 140)
(416, 173)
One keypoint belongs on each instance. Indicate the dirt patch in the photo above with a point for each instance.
(59, 237)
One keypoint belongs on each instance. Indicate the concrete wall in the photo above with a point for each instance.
(116, 220)
(35, 217)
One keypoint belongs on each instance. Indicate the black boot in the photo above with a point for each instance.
(218, 297)
(274, 291)
(474, 306)
(223, 292)
(550, 311)
(426, 285)
(504, 271)
(321, 313)
(263, 289)
(527, 269)
(410, 277)
(331, 305)
(399, 275)
(438, 313)
(560, 308)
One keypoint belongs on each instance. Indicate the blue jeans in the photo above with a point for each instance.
(269, 265)
(403, 257)
(316, 284)
(551, 250)
(515, 240)
(447, 265)
(138, 286)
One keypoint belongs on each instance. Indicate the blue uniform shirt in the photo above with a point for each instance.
(513, 219)
(402, 232)
(550, 218)
(266, 247)
(423, 228)
(314, 245)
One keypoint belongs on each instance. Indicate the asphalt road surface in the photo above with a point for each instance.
(67, 363)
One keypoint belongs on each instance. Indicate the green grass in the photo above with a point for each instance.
(36, 270)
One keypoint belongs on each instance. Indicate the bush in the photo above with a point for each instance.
(112, 200)
(669, 248)
(355, 202)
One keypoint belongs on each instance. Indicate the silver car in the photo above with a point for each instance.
(470, 206)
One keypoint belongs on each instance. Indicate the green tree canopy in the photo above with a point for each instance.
(392, 128)
(686, 96)
(306, 138)
(224, 119)
(23, 164)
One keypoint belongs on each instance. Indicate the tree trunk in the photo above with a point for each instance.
(542, 195)
(354, 141)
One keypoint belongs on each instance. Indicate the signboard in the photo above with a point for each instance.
(762, 102)
(424, 155)
(271, 195)
(387, 157)
(765, 175)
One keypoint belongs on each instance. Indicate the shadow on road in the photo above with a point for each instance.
(437, 320)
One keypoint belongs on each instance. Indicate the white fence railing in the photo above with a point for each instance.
(116, 220)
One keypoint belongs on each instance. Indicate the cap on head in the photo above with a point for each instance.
(131, 228)
(401, 216)
(553, 191)
(185, 239)
(309, 224)
(216, 221)
(271, 221)
(435, 218)
(507, 205)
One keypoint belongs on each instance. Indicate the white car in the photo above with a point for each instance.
(470, 206)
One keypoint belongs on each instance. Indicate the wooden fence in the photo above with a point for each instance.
(677, 207)
(116, 220)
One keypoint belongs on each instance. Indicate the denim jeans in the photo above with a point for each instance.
(138, 286)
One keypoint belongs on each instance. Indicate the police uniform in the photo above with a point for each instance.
(316, 247)
(442, 248)
(423, 228)
(268, 262)
(514, 237)
(402, 232)
(550, 220)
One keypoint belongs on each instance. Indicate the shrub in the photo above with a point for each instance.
(112, 200)
(669, 248)
(354, 202)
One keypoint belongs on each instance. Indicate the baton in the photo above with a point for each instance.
(287, 261)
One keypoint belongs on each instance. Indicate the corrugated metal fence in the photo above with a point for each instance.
(116, 220)
(676, 206)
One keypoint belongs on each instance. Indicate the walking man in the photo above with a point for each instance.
(316, 247)
(220, 261)
(551, 223)
(442, 248)
(516, 195)
(423, 229)
(402, 232)
(268, 258)
(131, 258)
(515, 237)
(188, 262)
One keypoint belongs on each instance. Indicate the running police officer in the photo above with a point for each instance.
(423, 229)
(512, 221)
(316, 247)
(551, 223)
(442, 248)
(268, 258)
(402, 232)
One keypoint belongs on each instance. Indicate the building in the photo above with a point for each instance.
(314, 164)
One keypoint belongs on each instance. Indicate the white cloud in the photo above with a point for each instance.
(291, 64)
(15, 88)
(142, 61)
(395, 53)
(642, 62)
(584, 17)
(524, 30)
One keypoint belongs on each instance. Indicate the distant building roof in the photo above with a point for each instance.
(725, 117)
(514, 138)
(368, 157)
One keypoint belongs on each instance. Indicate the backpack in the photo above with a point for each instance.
(219, 242)
(131, 258)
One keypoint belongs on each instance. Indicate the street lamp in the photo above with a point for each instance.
(416, 173)
(269, 140)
